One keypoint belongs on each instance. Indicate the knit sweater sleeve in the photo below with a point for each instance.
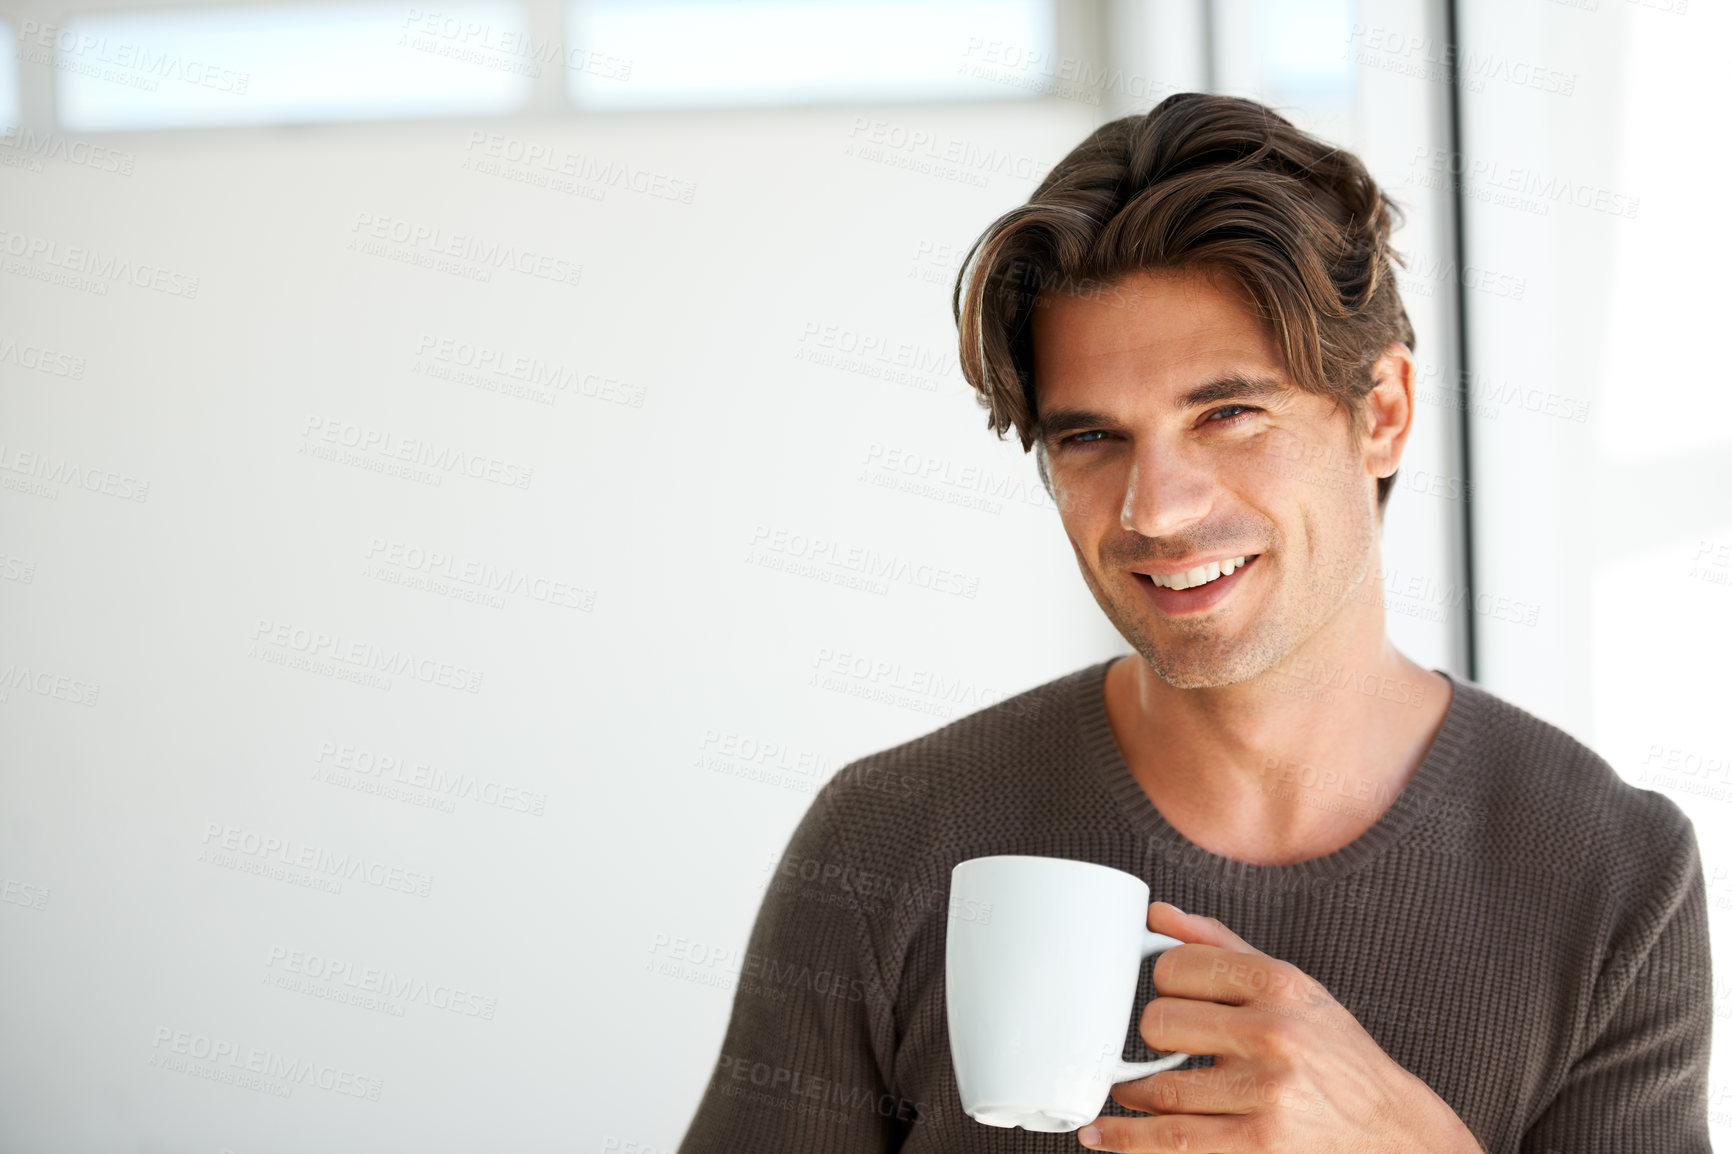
(1640, 1081)
(800, 1063)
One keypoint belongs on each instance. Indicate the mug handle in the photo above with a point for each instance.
(1122, 1071)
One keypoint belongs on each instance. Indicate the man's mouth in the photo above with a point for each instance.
(1200, 589)
(1201, 575)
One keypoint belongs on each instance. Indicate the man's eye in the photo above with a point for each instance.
(1234, 416)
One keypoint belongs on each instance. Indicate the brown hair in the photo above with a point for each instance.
(1200, 182)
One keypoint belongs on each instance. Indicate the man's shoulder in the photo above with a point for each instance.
(1547, 791)
(993, 755)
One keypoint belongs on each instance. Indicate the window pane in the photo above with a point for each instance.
(8, 79)
(287, 64)
(685, 53)
(1293, 55)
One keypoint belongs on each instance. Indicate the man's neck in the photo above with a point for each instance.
(1291, 765)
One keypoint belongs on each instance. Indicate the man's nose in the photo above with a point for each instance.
(1166, 492)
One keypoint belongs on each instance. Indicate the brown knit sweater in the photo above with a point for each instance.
(1521, 929)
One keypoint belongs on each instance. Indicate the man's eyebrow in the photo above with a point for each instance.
(1058, 421)
(1234, 387)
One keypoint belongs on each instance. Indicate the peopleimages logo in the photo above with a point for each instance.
(104, 266)
(72, 150)
(866, 562)
(518, 374)
(338, 979)
(41, 360)
(482, 255)
(785, 1088)
(316, 860)
(385, 769)
(46, 468)
(1545, 188)
(579, 167)
(284, 642)
(222, 1060)
(477, 574)
(60, 686)
(384, 444)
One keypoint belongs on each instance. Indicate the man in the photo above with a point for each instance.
(1416, 917)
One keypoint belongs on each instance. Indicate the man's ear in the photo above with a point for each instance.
(1387, 410)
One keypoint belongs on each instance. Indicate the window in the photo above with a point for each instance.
(286, 64)
(705, 53)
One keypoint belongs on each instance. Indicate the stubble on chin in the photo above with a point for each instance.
(1200, 656)
(1207, 664)
(1185, 656)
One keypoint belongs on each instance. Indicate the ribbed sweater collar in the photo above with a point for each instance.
(1438, 773)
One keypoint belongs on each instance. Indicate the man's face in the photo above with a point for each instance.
(1174, 438)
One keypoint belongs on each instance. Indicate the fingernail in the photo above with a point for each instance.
(1090, 1136)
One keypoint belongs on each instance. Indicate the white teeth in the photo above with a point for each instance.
(1201, 575)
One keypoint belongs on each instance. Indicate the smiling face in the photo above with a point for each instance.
(1175, 440)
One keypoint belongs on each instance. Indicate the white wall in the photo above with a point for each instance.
(665, 721)
(658, 522)
(1597, 180)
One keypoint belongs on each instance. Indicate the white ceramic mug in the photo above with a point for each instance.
(1041, 959)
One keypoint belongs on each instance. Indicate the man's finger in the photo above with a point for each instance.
(1222, 1133)
(1214, 1090)
(1167, 918)
(1196, 1027)
(1213, 974)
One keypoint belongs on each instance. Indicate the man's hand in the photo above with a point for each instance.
(1294, 1071)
